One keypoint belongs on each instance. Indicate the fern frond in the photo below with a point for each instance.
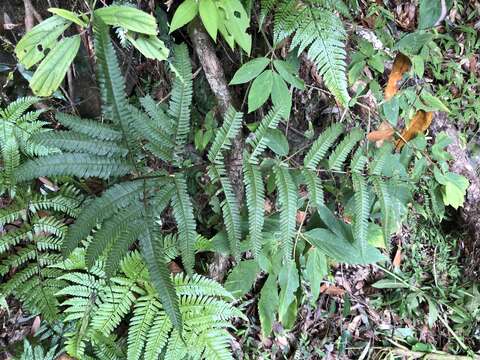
(112, 200)
(119, 247)
(314, 187)
(197, 285)
(229, 130)
(183, 213)
(377, 165)
(386, 204)
(112, 83)
(80, 165)
(359, 160)
(111, 229)
(16, 109)
(153, 253)
(159, 117)
(270, 121)
(74, 142)
(319, 148)
(91, 128)
(339, 155)
(255, 194)
(158, 337)
(287, 199)
(181, 98)
(146, 309)
(362, 211)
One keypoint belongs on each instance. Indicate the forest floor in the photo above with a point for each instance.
(424, 303)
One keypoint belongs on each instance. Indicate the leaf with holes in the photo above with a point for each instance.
(53, 68)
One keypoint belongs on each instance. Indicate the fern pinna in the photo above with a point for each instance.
(33, 228)
(97, 308)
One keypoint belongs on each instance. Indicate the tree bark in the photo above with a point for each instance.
(215, 75)
(470, 212)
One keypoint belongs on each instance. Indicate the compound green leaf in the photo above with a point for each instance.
(209, 15)
(250, 70)
(260, 91)
(68, 15)
(150, 46)
(32, 47)
(52, 70)
(185, 13)
(129, 18)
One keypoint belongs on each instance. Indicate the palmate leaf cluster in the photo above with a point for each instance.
(98, 307)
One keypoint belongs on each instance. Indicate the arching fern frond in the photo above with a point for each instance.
(287, 199)
(89, 127)
(183, 213)
(362, 211)
(255, 194)
(229, 130)
(79, 165)
(259, 140)
(314, 187)
(339, 155)
(319, 148)
(181, 98)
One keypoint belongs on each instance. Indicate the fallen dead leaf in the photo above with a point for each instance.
(174, 268)
(65, 357)
(418, 125)
(332, 290)
(397, 260)
(384, 132)
(35, 325)
(301, 216)
(400, 66)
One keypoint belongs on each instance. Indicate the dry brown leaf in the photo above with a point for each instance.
(301, 216)
(65, 357)
(384, 132)
(332, 290)
(35, 325)
(397, 260)
(174, 268)
(418, 125)
(400, 66)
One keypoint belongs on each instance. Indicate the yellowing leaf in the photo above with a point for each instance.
(418, 125)
(400, 66)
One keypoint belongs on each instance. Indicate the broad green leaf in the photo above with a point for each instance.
(288, 72)
(129, 18)
(260, 90)
(430, 13)
(242, 277)
(454, 187)
(432, 102)
(389, 284)
(391, 109)
(268, 305)
(375, 236)
(288, 280)
(69, 15)
(412, 43)
(234, 24)
(315, 270)
(52, 70)
(32, 47)
(432, 312)
(209, 15)
(439, 153)
(340, 249)
(150, 46)
(277, 142)
(250, 70)
(281, 94)
(185, 13)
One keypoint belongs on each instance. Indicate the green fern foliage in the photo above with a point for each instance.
(17, 126)
(205, 307)
(319, 148)
(319, 30)
(287, 199)
(255, 194)
(30, 244)
(343, 149)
